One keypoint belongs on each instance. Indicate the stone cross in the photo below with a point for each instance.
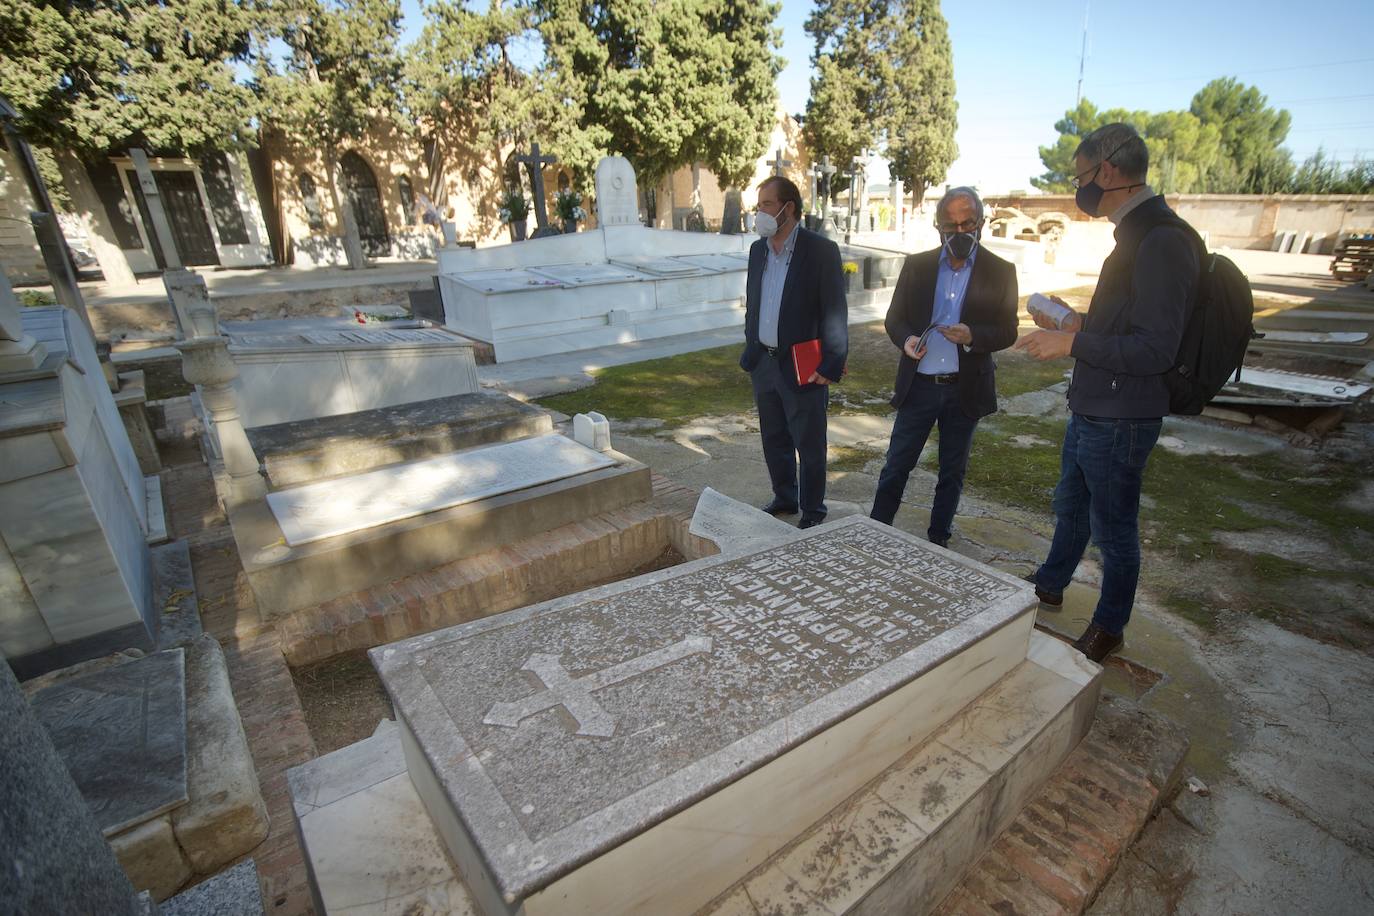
(780, 163)
(856, 170)
(575, 694)
(535, 163)
(824, 169)
(161, 225)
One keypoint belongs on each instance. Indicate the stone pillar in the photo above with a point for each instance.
(188, 294)
(898, 198)
(91, 211)
(171, 258)
(18, 351)
(206, 363)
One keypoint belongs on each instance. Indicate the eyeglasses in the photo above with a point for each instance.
(1078, 179)
(967, 225)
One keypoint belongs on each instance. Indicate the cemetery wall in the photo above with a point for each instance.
(1238, 220)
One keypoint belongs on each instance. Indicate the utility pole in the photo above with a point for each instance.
(1083, 54)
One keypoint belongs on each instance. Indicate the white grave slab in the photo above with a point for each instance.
(587, 274)
(1297, 383)
(504, 281)
(1355, 338)
(659, 267)
(333, 507)
(717, 262)
(617, 195)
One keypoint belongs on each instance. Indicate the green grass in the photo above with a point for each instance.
(846, 458)
(32, 298)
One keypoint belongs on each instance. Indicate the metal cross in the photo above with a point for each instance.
(575, 694)
(536, 163)
(780, 163)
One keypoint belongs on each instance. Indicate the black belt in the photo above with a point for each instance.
(949, 378)
(771, 351)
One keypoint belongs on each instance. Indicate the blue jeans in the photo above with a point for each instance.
(926, 405)
(1098, 496)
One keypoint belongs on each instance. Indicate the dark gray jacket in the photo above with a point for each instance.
(1133, 327)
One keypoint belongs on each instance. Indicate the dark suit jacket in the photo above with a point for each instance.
(989, 311)
(813, 306)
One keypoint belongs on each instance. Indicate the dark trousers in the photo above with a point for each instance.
(926, 405)
(1098, 496)
(792, 425)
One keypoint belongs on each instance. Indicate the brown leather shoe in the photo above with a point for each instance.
(1096, 643)
(1051, 600)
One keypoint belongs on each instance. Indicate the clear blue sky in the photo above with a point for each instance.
(1016, 69)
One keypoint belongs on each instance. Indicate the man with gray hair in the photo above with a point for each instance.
(954, 306)
(1118, 397)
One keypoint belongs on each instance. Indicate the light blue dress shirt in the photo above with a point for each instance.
(774, 278)
(942, 355)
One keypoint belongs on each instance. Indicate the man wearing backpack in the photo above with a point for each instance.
(1122, 348)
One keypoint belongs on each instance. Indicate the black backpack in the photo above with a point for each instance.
(1219, 330)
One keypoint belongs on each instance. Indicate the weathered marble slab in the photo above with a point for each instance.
(733, 525)
(333, 507)
(546, 738)
(717, 262)
(660, 267)
(408, 336)
(502, 280)
(587, 274)
(122, 733)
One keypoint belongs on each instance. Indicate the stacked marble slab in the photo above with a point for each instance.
(665, 743)
(75, 521)
(364, 498)
(618, 283)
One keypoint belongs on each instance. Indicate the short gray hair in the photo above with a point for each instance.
(961, 191)
(1120, 145)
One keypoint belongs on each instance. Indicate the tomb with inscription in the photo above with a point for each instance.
(643, 746)
(617, 283)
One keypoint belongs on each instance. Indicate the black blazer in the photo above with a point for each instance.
(813, 306)
(989, 311)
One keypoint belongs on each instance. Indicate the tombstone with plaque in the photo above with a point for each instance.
(535, 162)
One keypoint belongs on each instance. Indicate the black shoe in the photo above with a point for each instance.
(778, 507)
(1052, 600)
(1096, 643)
(939, 543)
(810, 521)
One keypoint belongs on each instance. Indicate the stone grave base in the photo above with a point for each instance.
(307, 450)
(216, 812)
(909, 835)
(286, 578)
(537, 568)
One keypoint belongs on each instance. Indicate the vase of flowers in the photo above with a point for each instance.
(568, 205)
(854, 278)
(514, 211)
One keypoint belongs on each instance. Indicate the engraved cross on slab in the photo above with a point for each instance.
(575, 694)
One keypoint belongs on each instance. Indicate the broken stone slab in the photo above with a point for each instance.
(734, 525)
(225, 815)
(122, 733)
(150, 856)
(235, 892)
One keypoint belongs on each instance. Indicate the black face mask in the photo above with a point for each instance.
(961, 244)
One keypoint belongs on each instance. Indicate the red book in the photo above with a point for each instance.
(806, 359)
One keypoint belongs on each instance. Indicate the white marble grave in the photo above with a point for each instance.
(300, 373)
(330, 508)
(641, 746)
(75, 571)
(735, 526)
(617, 283)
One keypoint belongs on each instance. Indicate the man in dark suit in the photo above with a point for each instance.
(968, 295)
(795, 293)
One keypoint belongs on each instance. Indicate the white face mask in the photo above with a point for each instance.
(765, 224)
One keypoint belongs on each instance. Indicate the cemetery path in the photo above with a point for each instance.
(263, 690)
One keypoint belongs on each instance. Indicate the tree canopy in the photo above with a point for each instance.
(100, 74)
(884, 75)
(1228, 142)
